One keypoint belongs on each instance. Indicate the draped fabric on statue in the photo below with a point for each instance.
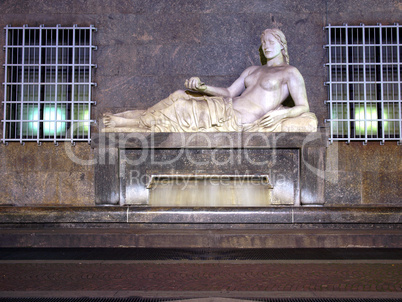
(184, 112)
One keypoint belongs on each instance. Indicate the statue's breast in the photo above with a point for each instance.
(252, 79)
(269, 82)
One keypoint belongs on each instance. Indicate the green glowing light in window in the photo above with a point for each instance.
(340, 111)
(52, 115)
(371, 114)
(82, 114)
(29, 129)
(391, 127)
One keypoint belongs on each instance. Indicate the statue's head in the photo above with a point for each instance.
(280, 37)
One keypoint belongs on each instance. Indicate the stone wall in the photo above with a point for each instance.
(147, 48)
(363, 175)
(46, 175)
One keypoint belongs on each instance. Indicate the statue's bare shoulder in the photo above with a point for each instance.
(292, 73)
(250, 70)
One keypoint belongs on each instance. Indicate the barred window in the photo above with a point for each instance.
(48, 81)
(364, 82)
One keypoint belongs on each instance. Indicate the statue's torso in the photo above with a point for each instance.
(266, 89)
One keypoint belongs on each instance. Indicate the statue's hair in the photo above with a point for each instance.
(280, 37)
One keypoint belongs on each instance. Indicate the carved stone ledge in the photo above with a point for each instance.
(136, 227)
(147, 215)
(222, 140)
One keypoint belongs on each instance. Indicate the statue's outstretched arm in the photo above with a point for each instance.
(234, 90)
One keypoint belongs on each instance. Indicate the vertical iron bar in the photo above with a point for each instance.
(55, 82)
(399, 70)
(89, 98)
(22, 83)
(364, 79)
(72, 125)
(5, 84)
(382, 97)
(40, 83)
(330, 84)
(347, 80)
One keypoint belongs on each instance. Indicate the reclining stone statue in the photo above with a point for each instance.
(252, 103)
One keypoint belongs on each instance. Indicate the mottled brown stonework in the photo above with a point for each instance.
(46, 175)
(365, 174)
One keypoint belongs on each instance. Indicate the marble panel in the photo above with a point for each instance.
(107, 188)
(138, 166)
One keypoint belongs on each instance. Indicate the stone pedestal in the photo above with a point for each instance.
(291, 163)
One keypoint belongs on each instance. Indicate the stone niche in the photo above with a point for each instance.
(210, 169)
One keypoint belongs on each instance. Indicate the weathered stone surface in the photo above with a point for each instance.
(149, 60)
(382, 188)
(47, 188)
(17, 19)
(26, 188)
(345, 189)
(337, 217)
(313, 175)
(119, 96)
(347, 215)
(45, 158)
(367, 12)
(170, 238)
(316, 227)
(47, 175)
(75, 188)
(107, 188)
(364, 174)
(149, 29)
(64, 214)
(373, 157)
(316, 95)
(160, 6)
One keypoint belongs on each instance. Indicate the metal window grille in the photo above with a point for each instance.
(364, 82)
(47, 86)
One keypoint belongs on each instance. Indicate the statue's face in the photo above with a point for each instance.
(270, 46)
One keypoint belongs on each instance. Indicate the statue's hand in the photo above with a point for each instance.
(195, 84)
(272, 118)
